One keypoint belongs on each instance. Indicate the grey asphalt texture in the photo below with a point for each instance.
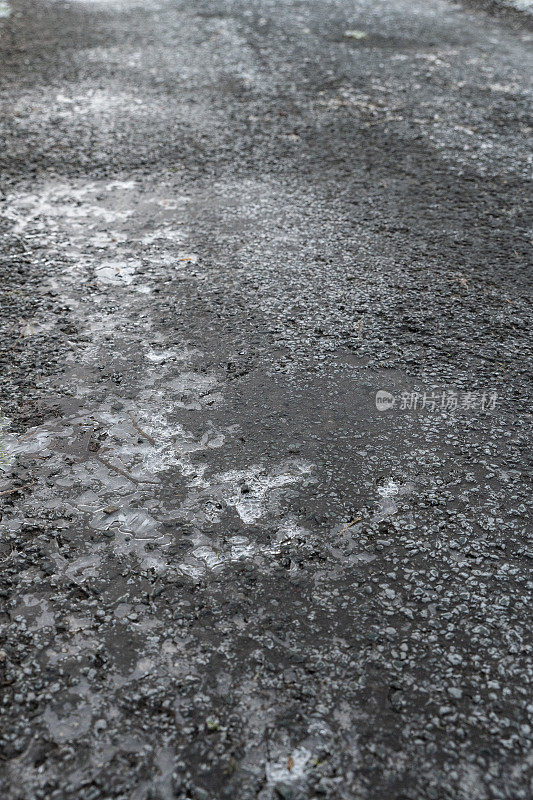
(228, 570)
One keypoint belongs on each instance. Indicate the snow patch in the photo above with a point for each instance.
(115, 272)
(288, 769)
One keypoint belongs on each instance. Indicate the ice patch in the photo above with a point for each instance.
(251, 505)
(162, 234)
(390, 489)
(36, 440)
(97, 101)
(288, 769)
(520, 5)
(253, 493)
(127, 185)
(208, 556)
(164, 355)
(128, 451)
(47, 211)
(116, 273)
(388, 492)
(69, 727)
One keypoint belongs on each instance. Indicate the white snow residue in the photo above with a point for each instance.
(5, 10)
(207, 555)
(5, 456)
(47, 212)
(288, 768)
(521, 5)
(388, 493)
(36, 440)
(251, 503)
(115, 272)
(390, 489)
(163, 355)
(131, 447)
(162, 234)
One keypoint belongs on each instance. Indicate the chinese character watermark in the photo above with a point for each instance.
(446, 400)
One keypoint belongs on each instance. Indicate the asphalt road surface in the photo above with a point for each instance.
(231, 568)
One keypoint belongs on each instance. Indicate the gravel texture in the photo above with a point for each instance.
(229, 569)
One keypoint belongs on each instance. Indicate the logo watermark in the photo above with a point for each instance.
(447, 400)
